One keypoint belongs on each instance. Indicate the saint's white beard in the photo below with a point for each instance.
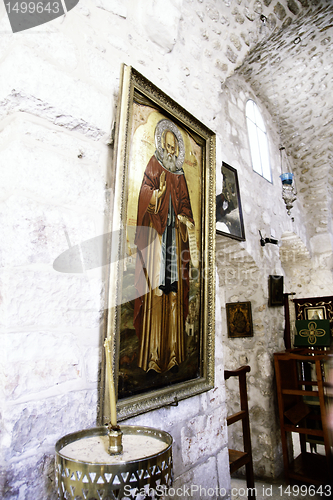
(169, 161)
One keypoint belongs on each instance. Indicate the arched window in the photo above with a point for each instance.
(258, 141)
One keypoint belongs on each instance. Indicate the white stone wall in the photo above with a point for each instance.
(244, 268)
(58, 88)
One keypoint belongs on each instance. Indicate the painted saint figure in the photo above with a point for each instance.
(162, 267)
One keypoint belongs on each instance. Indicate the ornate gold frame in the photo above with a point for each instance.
(134, 84)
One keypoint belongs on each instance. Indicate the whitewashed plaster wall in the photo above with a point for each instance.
(58, 89)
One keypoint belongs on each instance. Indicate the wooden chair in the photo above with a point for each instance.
(239, 458)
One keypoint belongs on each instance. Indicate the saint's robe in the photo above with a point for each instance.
(161, 306)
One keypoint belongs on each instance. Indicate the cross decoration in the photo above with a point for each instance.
(312, 332)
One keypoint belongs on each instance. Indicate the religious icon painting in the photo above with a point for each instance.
(318, 312)
(239, 319)
(161, 286)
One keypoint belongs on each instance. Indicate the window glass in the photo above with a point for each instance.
(258, 141)
(250, 112)
(254, 146)
(258, 118)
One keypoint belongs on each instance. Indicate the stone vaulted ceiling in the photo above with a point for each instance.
(291, 71)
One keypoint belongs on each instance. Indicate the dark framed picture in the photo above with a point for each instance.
(239, 319)
(229, 216)
(275, 290)
(315, 312)
(161, 298)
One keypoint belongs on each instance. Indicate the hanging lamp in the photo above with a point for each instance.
(289, 191)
